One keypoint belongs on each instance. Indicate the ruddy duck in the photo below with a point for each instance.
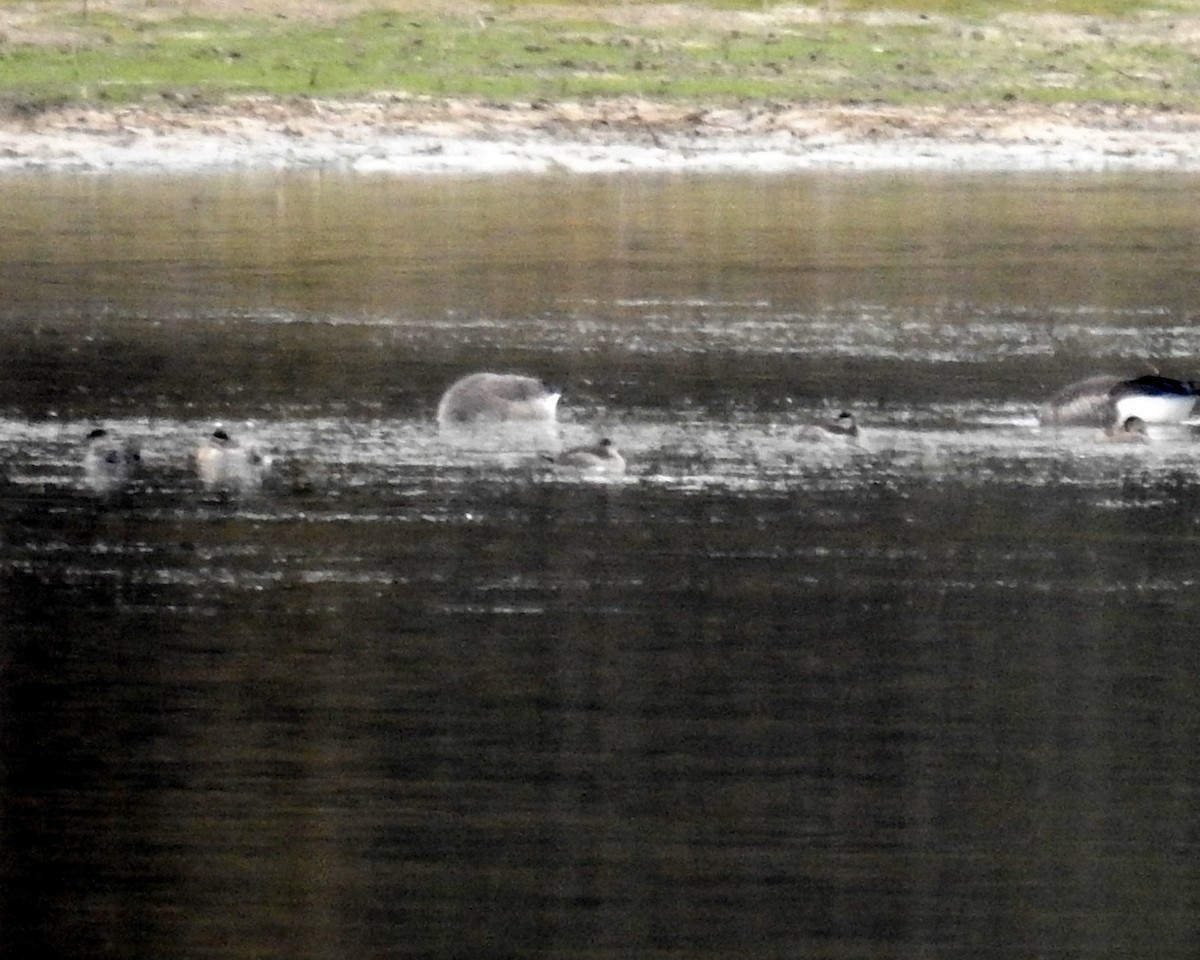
(1129, 430)
(110, 464)
(601, 457)
(223, 463)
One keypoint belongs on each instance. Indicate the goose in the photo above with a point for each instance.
(1107, 399)
(497, 397)
(109, 464)
(225, 463)
(600, 457)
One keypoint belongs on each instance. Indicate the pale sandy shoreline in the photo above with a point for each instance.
(398, 135)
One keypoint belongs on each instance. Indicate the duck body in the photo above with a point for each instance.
(841, 429)
(1154, 399)
(224, 463)
(1104, 400)
(497, 398)
(599, 458)
(109, 464)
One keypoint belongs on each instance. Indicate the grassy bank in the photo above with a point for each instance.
(913, 53)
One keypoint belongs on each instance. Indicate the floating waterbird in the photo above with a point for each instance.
(1106, 400)
(496, 398)
(109, 464)
(227, 464)
(1129, 430)
(601, 457)
(1155, 399)
(843, 428)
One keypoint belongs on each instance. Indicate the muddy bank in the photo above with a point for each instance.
(423, 136)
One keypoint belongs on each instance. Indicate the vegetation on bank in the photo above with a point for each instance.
(956, 52)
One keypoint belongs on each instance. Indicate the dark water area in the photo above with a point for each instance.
(414, 694)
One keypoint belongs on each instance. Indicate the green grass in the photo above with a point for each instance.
(952, 8)
(977, 8)
(511, 56)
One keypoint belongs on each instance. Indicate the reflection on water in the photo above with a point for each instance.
(761, 697)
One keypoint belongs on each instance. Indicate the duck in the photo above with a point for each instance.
(600, 457)
(223, 462)
(1108, 399)
(497, 398)
(1129, 430)
(108, 463)
(843, 428)
(1155, 399)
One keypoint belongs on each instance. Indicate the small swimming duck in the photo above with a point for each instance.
(600, 457)
(1107, 399)
(841, 429)
(1129, 430)
(496, 398)
(110, 464)
(225, 463)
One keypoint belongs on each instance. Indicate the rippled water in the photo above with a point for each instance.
(930, 695)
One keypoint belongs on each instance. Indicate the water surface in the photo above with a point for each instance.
(930, 695)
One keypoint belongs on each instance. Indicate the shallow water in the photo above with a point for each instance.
(930, 695)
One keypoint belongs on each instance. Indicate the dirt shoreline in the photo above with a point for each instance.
(404, 135)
